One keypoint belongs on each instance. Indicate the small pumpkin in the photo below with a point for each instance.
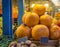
(56, 21)
(39, 9)
(54, 32)
(30, 19)
(46, 20)
(57, 15)
(22, 31)
(15, 12)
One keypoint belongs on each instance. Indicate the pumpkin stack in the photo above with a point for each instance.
(37, 24)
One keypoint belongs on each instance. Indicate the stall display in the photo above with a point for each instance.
(32, 23)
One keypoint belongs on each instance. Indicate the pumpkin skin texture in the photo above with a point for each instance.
(54, 32)
(22, 31)
(46, 20)
(39, 31)
(30, 19)
(39, 9)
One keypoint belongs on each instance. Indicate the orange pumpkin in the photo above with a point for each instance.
(22, 31)
(39, 9)
(54, 32)
(30, 19)
(57, 18)
(39, 31)
(15, 12)
(46, 20)
(57, 15)
(56, 21)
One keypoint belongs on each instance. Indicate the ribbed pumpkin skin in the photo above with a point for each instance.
(39, 31)
(22, 31)
(55, 32)
(46, 20)
(39, 9)
(30, 19)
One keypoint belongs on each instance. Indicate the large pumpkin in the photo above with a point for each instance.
(54, 32)
(30, 19)
(39, 9)
(40, 31)
(46, 20)
(22, 31)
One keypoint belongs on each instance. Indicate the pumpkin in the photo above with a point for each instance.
(54, 32)
(22, 31)
(39, 9)
(56, 21)
(46, 20)
(40, 31)
(57, 15)
(30, 19)
(15, 12)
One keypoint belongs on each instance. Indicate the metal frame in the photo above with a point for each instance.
(7, 16)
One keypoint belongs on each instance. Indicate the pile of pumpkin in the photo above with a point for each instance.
(37, 24)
